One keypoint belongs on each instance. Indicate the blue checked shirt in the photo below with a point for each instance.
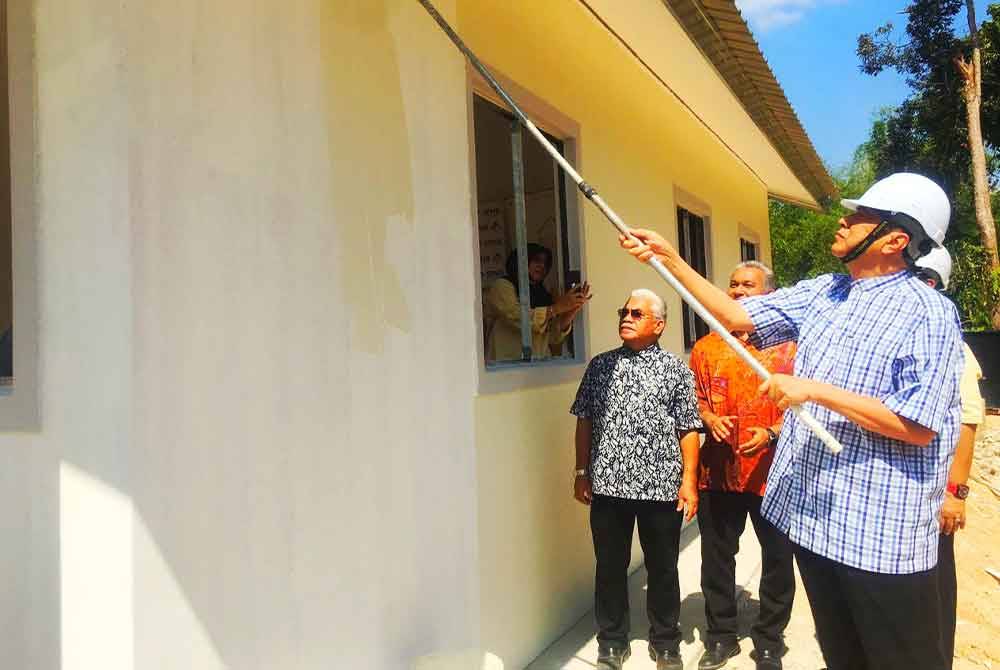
(875, 505)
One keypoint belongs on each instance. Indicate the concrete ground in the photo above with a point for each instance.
(577, 649)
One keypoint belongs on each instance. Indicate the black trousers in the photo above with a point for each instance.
(871, 621)
(721, 519)
(948, 593)
(612, 521)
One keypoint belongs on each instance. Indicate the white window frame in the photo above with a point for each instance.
(533, 374)
(19, 407)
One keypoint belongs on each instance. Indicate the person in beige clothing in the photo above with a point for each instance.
(551, 318)
(935, 270)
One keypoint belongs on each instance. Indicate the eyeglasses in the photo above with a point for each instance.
(636, 314)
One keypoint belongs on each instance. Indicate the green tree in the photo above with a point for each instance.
(947, 128)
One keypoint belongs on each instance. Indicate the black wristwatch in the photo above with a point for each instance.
(773, 435)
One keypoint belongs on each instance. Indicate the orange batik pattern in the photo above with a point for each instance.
(726, 386)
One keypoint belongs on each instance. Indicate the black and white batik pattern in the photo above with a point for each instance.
(638, 402)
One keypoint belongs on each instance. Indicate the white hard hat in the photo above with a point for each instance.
(939, 260)
(913, 195)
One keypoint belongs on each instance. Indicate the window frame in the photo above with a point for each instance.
(19, 404)
(750, 237)
(694, 205)
(6, 207)
(519, 375)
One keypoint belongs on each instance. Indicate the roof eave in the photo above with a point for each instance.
(722, 35)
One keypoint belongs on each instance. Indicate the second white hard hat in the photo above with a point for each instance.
(938, 260)
(911, 194)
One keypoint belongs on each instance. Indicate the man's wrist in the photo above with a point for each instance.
(959, 491)
(819, 392)
(581, 472)
(670, 255)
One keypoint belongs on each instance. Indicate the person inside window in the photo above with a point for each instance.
(551, 318)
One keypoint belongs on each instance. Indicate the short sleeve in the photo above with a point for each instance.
(777, 316)
(925, 374)
(684, 408)
(583, 405)
(973, 405)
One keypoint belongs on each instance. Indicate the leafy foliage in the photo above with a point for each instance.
(926, 57)
(928, 134)
(801, 238)
(974, 286)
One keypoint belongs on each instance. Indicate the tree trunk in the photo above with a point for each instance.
(972, 92)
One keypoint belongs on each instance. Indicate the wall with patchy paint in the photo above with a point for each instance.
(301, 171)
(257, 443)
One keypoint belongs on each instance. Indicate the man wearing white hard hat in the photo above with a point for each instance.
(878, 359)
(935, 270)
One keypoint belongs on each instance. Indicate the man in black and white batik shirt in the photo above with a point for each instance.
(637, 461)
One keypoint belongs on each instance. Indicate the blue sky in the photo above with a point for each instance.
(810, 45)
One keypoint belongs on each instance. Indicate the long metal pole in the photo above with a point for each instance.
(521, 236)
(591, 194)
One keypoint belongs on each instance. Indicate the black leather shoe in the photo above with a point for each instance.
(666, 659)
(612, 658)
(716, 655)
(767, 659)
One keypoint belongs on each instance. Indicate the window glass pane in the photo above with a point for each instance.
(691, 237)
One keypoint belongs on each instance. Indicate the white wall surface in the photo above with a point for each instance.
(256, 444)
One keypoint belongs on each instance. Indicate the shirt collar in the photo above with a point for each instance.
(872, 283)
(649, 351)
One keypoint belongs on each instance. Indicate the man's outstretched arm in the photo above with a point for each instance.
(869, 413)
(732, 315)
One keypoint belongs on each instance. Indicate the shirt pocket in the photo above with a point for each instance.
(718, 392)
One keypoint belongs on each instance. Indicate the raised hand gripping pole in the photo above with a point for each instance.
(591, 194)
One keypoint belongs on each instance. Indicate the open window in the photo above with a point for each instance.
(528, 243)
(749, 244)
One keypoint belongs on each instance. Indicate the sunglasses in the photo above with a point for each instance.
(636, 314)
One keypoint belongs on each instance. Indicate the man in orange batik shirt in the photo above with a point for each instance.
(741, 428)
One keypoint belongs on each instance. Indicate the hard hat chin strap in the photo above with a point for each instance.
(863, 245)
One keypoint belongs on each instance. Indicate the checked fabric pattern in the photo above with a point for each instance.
(875, 505)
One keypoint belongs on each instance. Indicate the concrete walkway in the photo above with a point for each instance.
(577, 649)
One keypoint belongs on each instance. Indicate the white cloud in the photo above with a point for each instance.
(763, 15)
